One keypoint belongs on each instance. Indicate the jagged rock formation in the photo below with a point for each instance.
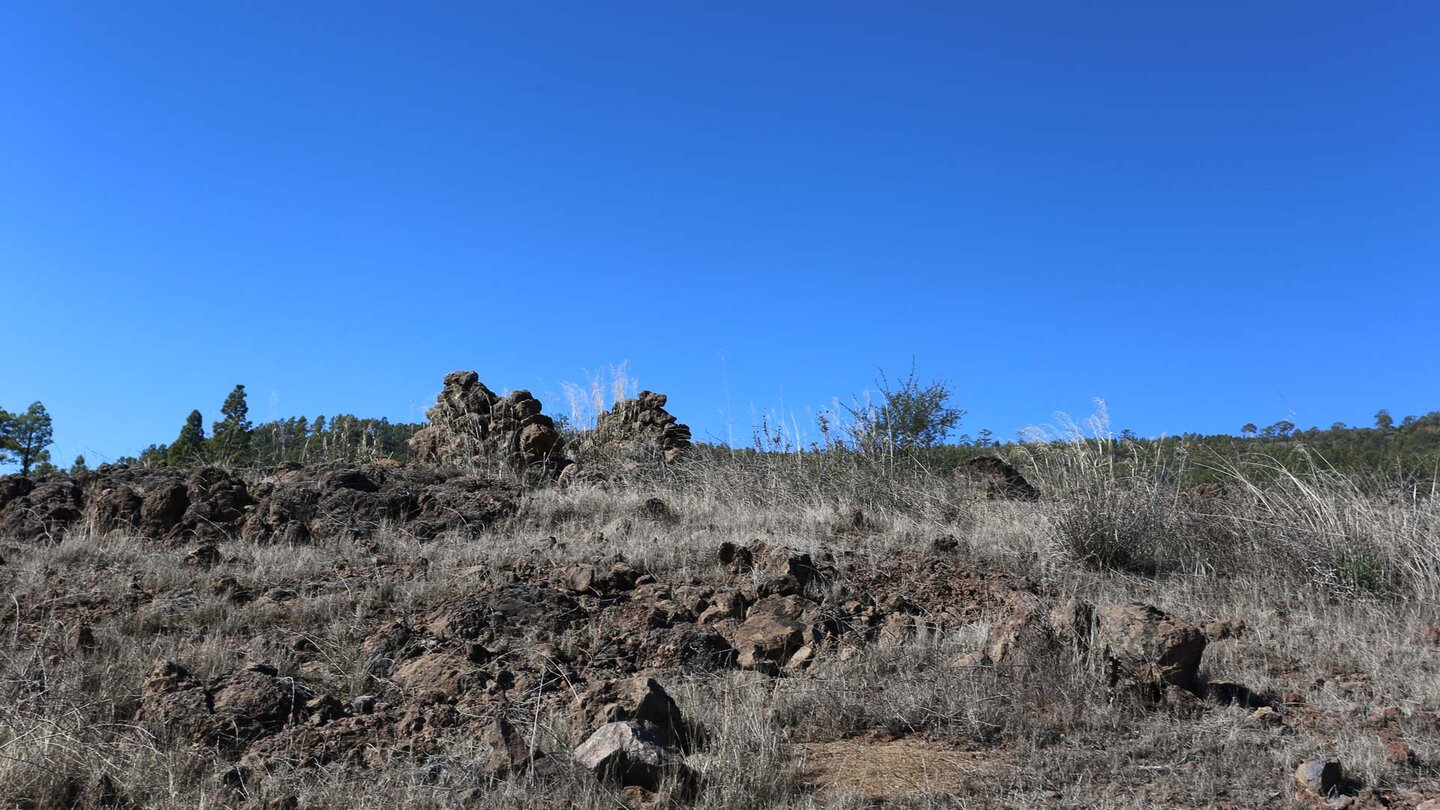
(637, 427)
(469, 421)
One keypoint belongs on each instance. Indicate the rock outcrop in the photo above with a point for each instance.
(470, 422)
(292, 503)
(638, 428)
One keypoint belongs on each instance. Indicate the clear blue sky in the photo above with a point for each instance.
(1206, 216)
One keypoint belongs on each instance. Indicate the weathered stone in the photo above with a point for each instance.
(470, 422)
(639, 429)
(772, 632)
(1319, 776)
(1147, 649)
(631, 753)
(229, 712)
(510, 753)
(638, 698)
(441, 672)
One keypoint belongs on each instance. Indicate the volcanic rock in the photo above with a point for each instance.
(638, 698)
(470, 422)
(638, 428)
(631, 753)
(1146, 649)
(1318, 776)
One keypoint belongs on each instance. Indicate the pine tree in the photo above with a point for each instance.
(7, 447)
(230, 437)
(189, 447)
(24, 437)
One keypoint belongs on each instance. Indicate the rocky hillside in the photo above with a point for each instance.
(677, 632)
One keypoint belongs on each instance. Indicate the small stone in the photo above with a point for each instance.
(801, 657)
(364, 704)
(81, 638)
(205, 555)
(1264, 717)
(971, 660)
(1400, 754)
(1320, 776)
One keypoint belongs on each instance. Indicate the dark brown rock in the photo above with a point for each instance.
(998, 480)
(637, 698)
(639, 429)
(470, 422)
(1147, 649)
(774, 629)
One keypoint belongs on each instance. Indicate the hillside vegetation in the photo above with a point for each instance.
(615, 618)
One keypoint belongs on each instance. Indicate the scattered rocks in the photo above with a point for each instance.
(228, 712)
(290, 504)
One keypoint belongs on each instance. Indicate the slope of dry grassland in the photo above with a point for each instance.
(374, 673)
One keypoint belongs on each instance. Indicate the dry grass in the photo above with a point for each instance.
(1334, 584)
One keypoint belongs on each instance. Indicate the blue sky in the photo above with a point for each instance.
(1206, 216)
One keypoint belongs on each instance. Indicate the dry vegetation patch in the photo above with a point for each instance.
(838, 631)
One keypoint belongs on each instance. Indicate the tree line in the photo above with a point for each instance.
(235, 441)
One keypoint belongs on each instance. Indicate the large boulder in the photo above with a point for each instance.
(638, 698)
(632, 753)
(297, 504)
(774, 630)
(217, 504)
(1147, 650)
(43, 512)
(470, 422)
